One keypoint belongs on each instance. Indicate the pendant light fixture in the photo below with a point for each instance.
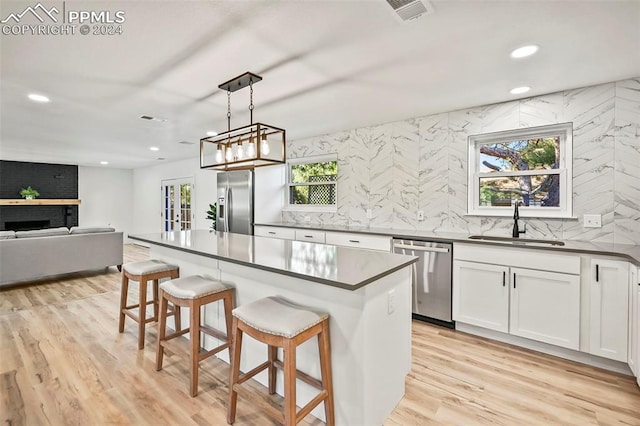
(247, 147)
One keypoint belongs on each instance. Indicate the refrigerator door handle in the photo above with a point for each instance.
(228, 206)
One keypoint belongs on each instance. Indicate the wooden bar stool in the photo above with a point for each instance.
(146, 270)
(280, 323)
(193, 292)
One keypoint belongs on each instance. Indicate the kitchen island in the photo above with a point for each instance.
(366, 293)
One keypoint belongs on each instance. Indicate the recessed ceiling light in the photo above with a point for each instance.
(154, 148)
(104, 163)
(38, 98)
(520, 90)
(212, 133)
(524, 51)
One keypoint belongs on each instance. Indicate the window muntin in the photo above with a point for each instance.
(312, 183)
(531, 166)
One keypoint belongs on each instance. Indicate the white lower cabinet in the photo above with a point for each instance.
(545, 306)
(369, 242)
(481, 295)
(275, 232)
(514, 298)
(634, 322)
(609, 309)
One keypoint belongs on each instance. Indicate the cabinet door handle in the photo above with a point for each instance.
(354, 241)
(272, 233)
(504, 278)
(308, 236)
(514, 280)
(597, 273)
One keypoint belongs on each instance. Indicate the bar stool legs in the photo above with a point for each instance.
(193, 292)
(293, 328)
(143, 272)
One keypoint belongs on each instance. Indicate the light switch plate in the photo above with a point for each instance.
(592, 221)
(420, 215)
(369, 214)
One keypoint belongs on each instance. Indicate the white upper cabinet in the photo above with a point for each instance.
(609, 310)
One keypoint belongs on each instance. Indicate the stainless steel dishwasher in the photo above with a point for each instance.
(431, 300)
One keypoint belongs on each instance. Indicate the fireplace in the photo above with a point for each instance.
(26, 225)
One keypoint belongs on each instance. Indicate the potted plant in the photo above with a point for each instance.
(29, 193)
(211, 214)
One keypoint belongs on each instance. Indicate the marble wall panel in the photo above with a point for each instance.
(627, 162)
(433, 182)
(399, 168)
(592, 112)
(405, 138)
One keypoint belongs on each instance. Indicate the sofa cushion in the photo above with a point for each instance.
(49, 232)
(7, 235)
(90, 230)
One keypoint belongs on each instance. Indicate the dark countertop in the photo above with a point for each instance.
(343, 267)
(629, 252)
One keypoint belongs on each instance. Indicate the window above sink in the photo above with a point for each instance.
(531, 166)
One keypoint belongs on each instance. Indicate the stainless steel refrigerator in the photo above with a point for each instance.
(235, 202)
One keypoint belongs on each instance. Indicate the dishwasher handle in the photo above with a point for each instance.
(421, 248)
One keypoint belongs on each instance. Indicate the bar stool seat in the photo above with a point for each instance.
(278, 322)
(142, 272)
(193, 292)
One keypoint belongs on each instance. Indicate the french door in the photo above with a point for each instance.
(177, 204)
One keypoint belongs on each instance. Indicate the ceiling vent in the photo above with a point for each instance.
(150, 118)
(410, 9)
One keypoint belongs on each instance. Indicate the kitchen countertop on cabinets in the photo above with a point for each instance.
(629, 251)
(343, 267)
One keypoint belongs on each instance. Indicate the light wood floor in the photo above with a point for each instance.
(63, 362)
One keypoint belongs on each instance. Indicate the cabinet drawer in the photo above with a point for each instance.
(274, 232)
(371, 242)
(540, 259)
(307, 235)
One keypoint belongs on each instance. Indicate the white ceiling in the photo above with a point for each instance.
(326, 66)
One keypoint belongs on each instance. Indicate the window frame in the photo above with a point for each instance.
(565, 171)
(332, 208)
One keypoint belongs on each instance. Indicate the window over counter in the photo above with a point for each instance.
(312, 183)
(531, 166)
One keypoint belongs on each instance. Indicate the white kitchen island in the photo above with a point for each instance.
(366, 293)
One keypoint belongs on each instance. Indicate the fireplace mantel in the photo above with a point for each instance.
(39, 202)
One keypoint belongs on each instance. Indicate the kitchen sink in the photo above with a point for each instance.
(516, 240)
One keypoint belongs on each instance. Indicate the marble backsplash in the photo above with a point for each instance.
(396, 169)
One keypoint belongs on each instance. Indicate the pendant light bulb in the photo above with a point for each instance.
(240, 151)
(251, 149)
(229, 154)
(219, 154)
(264, 145)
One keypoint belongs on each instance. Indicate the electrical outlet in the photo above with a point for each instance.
(369, 214)
(391, 302)
(592, 221)
(420, 215)
(307, 218)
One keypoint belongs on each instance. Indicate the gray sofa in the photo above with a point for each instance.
(33, 255)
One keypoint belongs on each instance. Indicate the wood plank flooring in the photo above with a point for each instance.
(63, 362)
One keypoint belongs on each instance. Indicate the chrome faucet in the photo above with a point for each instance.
(516, 229)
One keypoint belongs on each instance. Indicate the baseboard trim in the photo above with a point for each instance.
(584, 358)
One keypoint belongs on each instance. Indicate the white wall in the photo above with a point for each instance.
(147, 199)
(106, 197)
